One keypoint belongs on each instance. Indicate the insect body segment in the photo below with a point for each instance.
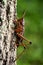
(19, 31)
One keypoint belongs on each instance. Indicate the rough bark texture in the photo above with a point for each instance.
(7, 37)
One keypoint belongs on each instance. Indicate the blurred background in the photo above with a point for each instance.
(33, 31)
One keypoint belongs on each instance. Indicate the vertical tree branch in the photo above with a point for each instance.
(7, 34)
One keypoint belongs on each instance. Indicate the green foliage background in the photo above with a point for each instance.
(33, 31)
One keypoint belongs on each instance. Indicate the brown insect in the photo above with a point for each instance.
(19, 32)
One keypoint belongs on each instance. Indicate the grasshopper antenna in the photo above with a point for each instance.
(24, 13)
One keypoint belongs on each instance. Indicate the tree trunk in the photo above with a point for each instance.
(8, 48)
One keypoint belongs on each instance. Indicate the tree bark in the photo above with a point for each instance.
(7, 36)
